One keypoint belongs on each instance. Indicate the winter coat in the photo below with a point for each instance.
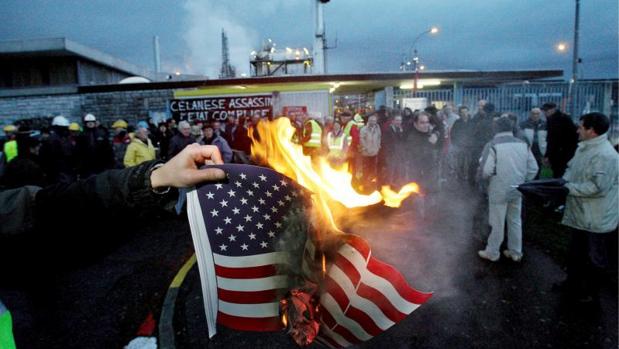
(138, 152)
(222, 145)
(592, 179)
(178, 143)
(508, 162)
(562, 138)
(369, 140)
(529, 128)
(94, 152)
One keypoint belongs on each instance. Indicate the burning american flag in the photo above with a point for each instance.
(249, 263)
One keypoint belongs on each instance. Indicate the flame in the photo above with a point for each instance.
(285, 320)
(328, 184)
(324, 265)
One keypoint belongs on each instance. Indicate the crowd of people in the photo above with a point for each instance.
(440, 149)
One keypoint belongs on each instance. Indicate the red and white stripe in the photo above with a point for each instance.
(362, 296)
(248, 297)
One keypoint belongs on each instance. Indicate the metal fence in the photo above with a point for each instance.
(519, 99)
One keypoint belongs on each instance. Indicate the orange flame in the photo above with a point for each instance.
(275, 147)
(285, 320)
(324, 265)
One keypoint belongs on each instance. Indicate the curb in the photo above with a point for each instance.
(166, 325)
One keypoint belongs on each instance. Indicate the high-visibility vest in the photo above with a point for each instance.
(314, 141)
(336, 144)
(10, 150)
(347, 129)
(6, 329)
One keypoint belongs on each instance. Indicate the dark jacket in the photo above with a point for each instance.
(561, 142)
(63, 221)
(178, 143)
(421, 155)
(94, 152)
(462, 134)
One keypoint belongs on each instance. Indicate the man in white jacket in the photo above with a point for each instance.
(591, 208)
(507, 162)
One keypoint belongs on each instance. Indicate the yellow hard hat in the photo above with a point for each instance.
(120, 124)
(10, 128)
(74, 126)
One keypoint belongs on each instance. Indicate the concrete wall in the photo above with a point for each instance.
(107, 106)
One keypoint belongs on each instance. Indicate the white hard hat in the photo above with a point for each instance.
(60, 121)
(89, 117)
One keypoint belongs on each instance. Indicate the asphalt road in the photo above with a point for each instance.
(100, 301)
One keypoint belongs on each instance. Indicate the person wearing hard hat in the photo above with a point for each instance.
(120, 142)
(140, 149)
(57, 153)
(94, 151)
(10, 146)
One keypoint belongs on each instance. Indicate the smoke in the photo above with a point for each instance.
(204, 21)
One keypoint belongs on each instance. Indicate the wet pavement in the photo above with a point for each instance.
(101, 302)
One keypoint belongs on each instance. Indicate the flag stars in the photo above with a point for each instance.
(232, 237)
(244, 247)
(280, 202)
(264, 244)
(223, 203)
(243, 201)
(210, 195)
(266, 217)
(274, 209)
(250, 193)
(275, 187)
(283, 182)
(263, 178)
(236, 210)
(214, 213)
(287, 197)
(271, 234)
(219, 186)
(247, 218)
(268, 194)
(259, 225)
(228, 220)
(231, 192)
(238, 184)
(219, 231)
(252, 236)
(254, 208)
(278, 225)
(243, 176)
(261, 201)
(256, 185)
(223, 247)
(240, 228)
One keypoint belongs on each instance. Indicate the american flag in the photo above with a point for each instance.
(242, 221)
(362, 296)
(236, 226)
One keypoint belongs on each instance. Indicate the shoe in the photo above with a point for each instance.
(485, 255)
(512, 255)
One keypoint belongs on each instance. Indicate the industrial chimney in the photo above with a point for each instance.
(320, 39)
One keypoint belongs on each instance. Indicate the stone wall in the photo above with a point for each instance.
(107, 106)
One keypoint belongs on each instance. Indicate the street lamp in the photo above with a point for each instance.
(561, 47)
(415, 59)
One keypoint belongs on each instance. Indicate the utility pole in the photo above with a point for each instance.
(575, 60)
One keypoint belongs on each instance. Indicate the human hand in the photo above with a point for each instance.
(182, 170)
